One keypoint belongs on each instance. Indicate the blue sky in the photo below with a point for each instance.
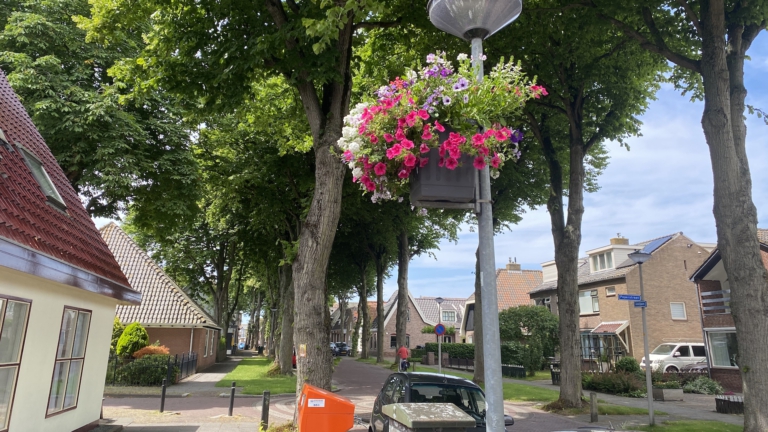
(661, 186)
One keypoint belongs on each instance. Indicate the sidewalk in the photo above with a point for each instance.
(694, 407)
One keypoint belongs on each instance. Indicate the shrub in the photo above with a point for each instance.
(454, 350)
(628, 365)
(667, 385)
(512, 353)
(134, 338)
(703, 385)
(117, 331)
(619, 383)
(151, 350)
(418, 353)
(146, 371)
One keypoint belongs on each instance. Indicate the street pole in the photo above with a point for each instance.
(439, 341)
(648, 381)
(494, 394)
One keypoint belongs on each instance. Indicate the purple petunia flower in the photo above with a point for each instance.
(466, 98)
(446, 100)
(516, 136)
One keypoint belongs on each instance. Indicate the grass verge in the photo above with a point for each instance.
(602, 409)
(691, 426)
(538, 376)
(253, 375)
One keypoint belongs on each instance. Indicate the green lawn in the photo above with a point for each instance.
(251, 374)
(527, 393)
(539, 376)
(692, 426)
(610, 409)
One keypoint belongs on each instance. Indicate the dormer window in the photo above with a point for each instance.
(38, 171)
(603, 261)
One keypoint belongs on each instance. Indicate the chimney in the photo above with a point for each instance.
(513, 266)
(619, 240)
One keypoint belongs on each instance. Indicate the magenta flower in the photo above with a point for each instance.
(400, 122)
(394, 151)
(451, 163)
(427, 135)
(423, 148)
(348, 156)
(380, 169)
(388, 137)
(374, 139)
(441, 161)
(423, 114)
(495, 161)
(399, 135)
(403, 174)
(439, 127)
(454, 152)
(479, 162)
(410, 160)
(411, 118)
(478, 140)
(423, 162)
(483, 150)
(407, 144)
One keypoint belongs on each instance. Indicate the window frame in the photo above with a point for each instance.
(450, 314)
(672, 315)
(391, 343)
(602, 261)
(711, 352)
(213, 342)
(593, 299)
(56, 360)
(5, 298)
(611, 288)
(55, 200)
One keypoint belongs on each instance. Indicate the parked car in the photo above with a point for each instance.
(420, 387)
(334, 349)
(671, 357)
(342, 349)
(700, 367)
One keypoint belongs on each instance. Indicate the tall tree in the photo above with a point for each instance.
(707, 42)
(598, 81)
(115, 148)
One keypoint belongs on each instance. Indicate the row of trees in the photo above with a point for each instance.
(213, 125)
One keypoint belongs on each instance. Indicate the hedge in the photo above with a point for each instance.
(511, 352)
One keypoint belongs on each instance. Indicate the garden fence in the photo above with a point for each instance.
(150, 370)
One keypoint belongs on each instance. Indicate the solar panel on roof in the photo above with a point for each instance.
(652, 246)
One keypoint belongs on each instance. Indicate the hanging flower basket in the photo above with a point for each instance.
(402, 142)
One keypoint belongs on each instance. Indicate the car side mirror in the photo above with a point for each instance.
(508, 420)
(677, 354)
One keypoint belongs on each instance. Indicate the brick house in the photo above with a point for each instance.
(512, 285)
(417, 320)
(612, 328)
(343, 333)
(719, 329)
(450, 313)
(59, 285)
(166, 311)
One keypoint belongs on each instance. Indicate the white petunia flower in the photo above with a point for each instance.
(461, 57)
(352, 165)
(349, 132)
(357, 173)
(354, 147)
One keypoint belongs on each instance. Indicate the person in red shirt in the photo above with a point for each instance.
(403, 353)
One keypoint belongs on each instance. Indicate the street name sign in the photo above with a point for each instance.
(630, 297)
(641, 304)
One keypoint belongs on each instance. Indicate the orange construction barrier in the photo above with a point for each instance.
(323, 411)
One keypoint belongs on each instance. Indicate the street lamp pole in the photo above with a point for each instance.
(439, 301)
(639, 258)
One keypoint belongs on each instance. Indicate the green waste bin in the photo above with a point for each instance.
(427, 417)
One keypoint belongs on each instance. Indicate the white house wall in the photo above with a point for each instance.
(39, 355)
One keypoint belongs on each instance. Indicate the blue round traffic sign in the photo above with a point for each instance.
(439, 329)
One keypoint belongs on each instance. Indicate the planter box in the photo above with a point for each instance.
(667, 394)
(438, 187)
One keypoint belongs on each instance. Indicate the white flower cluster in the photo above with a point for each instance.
(350, 138)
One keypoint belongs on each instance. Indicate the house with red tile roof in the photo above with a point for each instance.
(59, 286)
(168, 314)
(512, 287)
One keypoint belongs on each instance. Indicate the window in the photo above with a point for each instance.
(393, 341)
(205, 347)
(408, 314)
(38, 171)
(588, 303)
(70, 355)
(699, 351)
(723, 348)
(684, 351)
(678, 310)
(546, 302)
(212, 345)
(407, 341)
(449, 316)
(603, 261)
(13, 328)
(610, 291)
(447, 339)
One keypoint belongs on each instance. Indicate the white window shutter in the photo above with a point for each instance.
(678, 310)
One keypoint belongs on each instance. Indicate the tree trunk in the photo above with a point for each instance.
(734, 210)
(286, 331)
(477, 337)
(363, 316)
(253, 326)
(379, 311)
(311, 265)
(403, 258)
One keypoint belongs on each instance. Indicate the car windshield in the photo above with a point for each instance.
(664, 349)
(469, 399)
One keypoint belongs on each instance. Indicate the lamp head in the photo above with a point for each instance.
(469, 19)
(639, 257)
(439, 300)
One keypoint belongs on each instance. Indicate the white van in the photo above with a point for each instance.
(671, 357)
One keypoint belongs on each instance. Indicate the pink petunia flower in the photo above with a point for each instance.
(348, 156)
(371, 186)
(374, 139)
(361, 129)
(483, 150)
(403, 174)
(423, 114)
(423, 148)
(439, 127)
(479, 162)
(388, 137)
(394, 151)
(423, 162)
(407, 144)
(451, 163)
(410, 160)
(400, 122)
(399, 135)
(411, 118)
(380, 169)
(427, 135)
(499, 135)
(478, 140)
(454, 152)
(495, 161)
(441, 152)
(441, 161)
